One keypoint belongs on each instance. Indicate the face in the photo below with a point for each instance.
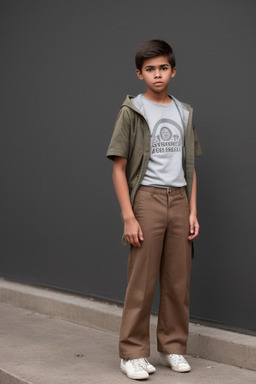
(157, 73)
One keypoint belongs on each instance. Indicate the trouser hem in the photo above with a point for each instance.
(138, 355)
(173, 351)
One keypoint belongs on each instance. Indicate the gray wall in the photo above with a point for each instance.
(66, 67)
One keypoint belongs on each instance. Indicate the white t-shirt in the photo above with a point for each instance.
(165, 167)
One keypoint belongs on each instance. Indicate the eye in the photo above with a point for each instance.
(164, 68)
(149, 69)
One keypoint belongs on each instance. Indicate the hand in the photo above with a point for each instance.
(133, 232)
(193, 227)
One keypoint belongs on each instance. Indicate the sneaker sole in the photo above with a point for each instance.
(165, 363)
(134, 377)
(150, 371)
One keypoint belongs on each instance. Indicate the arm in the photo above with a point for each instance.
(132, 230)
(193, 222)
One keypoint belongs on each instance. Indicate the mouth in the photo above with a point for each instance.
(157, 83)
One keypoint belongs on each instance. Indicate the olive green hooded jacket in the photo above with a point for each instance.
(131, 140)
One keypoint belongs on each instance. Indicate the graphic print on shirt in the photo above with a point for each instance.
(167, 138)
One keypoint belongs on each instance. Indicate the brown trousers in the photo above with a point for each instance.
(163, 214)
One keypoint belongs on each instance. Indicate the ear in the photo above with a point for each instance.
(173, 72)
(139, 74)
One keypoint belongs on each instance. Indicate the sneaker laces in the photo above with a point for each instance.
(137, 363)
(178, 358)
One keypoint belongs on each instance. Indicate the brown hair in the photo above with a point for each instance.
(154, 48)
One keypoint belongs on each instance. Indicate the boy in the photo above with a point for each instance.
(153, 148)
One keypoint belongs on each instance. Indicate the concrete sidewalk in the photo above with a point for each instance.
(226, 347)
(51, 337)
(41, 349)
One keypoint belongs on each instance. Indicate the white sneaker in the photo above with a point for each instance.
(176, 362)
(134, 369)
(147, 366)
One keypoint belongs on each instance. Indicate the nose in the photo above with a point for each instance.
(157, 74)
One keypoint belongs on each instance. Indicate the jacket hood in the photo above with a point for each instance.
(183, 108)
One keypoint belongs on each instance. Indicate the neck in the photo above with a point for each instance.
(161, 98)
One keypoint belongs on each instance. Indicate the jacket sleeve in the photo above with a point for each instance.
(198, 149)
(119, 143)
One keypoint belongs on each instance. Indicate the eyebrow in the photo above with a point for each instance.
(161, 65)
